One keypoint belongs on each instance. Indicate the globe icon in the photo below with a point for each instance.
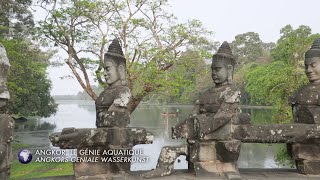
(24, 156)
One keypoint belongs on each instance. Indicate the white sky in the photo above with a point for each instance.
(227, 18)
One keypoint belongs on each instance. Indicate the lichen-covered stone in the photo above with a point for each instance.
(306, 110)
(72, 138)
(112, 119)
(118, 116)
(6, 122)
(306, 151)
(308, 166)
(208, 130)
(278, 133)
(6, 137)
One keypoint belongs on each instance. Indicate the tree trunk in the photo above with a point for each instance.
(133, 103)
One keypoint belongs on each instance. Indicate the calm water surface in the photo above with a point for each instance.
(81, 114)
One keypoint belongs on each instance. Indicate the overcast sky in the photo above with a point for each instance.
(227, 18)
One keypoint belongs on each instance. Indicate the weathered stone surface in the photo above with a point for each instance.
(6, 122)
(112, 119)
(206, 152)
(4, 67)
(308, 166)
(228, 151)
(71, 138)
(6, 137)
(306, 151)
(223, 151)
(279, 133)
(112, 103)
(118, 116)
(94, 168)
(210, 122)
(184, 130)
(168, 156)
(214, 168)
(306, 109)
(246, 174)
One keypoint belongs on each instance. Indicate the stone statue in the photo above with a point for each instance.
(112, 104)
(112, 119)
(208, 130)
(6, 122)
(306, 110)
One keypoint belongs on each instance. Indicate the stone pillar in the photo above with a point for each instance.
(6, 122)
(307, 157)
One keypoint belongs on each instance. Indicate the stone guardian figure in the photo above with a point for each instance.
(306, 110)
(211, 150)
(6, 122)
(112, 103)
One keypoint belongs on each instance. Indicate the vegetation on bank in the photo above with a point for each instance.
(36, 170)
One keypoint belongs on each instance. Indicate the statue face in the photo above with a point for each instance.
(219, 71)
(312, 69)
(111, 73)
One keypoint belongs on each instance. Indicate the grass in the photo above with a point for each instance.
(36, 169)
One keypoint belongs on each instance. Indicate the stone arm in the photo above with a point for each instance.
(117, 114)
(228, 108)
(221, 118)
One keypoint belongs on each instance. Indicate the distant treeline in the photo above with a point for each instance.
(80, 96)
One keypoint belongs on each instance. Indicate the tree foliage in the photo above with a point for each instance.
(248, 47)
(189, 77)
(28, 84)
(250, 51)
(274, 83)
(151, 37)
(16, 20)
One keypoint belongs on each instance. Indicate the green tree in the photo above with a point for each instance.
(151, 37)
(247, 47)
(250, 51)
(196, 74)
(16, 20)
(274, 83)
(28, 84)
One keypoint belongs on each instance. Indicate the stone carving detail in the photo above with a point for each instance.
(302, 137)
(210, 147)
(112, 119)
(306, 110)
(112, 104)
(6, 122)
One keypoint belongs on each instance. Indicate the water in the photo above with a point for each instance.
(81, 114)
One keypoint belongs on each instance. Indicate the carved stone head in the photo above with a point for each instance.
(4, 67)
(115, 65)
(223, 65)
(312, 62)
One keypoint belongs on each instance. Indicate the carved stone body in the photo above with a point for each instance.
(211, 150)
(6, 137)
(112, 119)
(6, 122)
(306, 110)
(111, 107)
(306, 105)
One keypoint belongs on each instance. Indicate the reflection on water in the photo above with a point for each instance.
(81, 114)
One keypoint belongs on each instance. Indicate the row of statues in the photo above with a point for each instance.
(214, 130)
